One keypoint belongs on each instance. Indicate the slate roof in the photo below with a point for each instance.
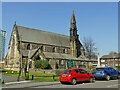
(111, 56)
(65, 57)
(59, 56)
(43, 37)
(29, 53)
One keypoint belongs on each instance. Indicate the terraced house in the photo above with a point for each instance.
(112, 60)
(32, 44)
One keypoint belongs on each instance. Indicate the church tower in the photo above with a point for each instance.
(75, 44)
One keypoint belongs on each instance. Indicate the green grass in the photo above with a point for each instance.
(9, 72)
(41, 77)
(46, 79)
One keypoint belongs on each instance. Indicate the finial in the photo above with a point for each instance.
(73, 17)
(15, 23)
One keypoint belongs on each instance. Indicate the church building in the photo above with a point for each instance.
(28, 45)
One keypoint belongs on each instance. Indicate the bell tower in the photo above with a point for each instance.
(74, 38)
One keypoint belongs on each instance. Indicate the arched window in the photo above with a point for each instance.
(63, 50)
(53, 49)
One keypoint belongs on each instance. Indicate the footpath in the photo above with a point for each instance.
(28, 84)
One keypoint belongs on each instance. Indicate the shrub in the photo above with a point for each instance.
(37, 64)
(41, 64)
(118, 67)
(44, 64)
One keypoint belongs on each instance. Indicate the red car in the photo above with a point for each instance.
(75, 75)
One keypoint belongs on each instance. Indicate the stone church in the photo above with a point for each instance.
(29, 44)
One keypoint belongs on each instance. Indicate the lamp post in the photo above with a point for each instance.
(98, 58)
(113, 61)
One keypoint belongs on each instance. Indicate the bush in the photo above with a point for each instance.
(118, 67)
(41, 64)
(37, 64)
(44, 64)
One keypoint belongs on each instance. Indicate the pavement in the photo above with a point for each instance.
(18, 82)
(25, 84)
(10, 79)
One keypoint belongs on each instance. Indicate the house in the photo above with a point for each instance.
(112, 60)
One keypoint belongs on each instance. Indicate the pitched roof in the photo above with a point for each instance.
(59, 56)
(43, 37)
(110, 56)
(29, 53)
(65, 56)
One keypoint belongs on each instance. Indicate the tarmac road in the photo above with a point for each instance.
(97, 84)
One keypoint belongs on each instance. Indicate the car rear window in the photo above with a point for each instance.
(66, 71)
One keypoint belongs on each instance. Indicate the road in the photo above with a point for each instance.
(97, 84)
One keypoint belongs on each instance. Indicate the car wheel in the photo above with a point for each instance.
(118, 77)
(108, 77)
(73, 82)
(91, 80)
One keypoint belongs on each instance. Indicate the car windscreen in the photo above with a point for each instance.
(66, 71)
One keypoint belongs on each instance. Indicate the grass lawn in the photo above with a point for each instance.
(38, 76)
(46, 79)
(43, 77)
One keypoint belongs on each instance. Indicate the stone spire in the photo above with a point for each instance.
(73, 18)
(14, 22)
(73, 21)
(75, 44)
(73, 28)
(73, 36)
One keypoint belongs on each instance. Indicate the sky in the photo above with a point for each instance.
(96, 20)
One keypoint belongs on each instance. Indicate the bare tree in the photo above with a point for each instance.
(112, 52)
(90, 49)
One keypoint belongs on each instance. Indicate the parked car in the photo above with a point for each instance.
(105, 72)
(75, 75)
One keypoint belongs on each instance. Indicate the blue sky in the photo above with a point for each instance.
(98, 20)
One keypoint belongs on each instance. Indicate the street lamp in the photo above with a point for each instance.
(98, 60)
(113, 61)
